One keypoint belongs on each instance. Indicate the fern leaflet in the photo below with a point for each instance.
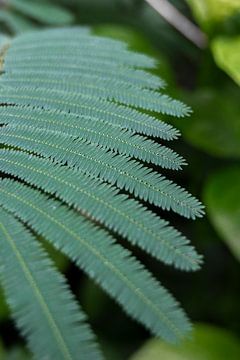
(77, 164)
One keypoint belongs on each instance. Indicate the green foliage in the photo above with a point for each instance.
(212, 12)
(217, 119)
(39, 298)
(76, 159)
(4, 313)
(14, 23)
(136, 14)
(208, 343)
(226, 52)
(140, 43)
(221, 19)
(222, 197)
(16, 353)
(23, 15)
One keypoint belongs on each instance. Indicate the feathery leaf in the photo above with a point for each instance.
(100, 201)
(123, 277)
(79, 157)
(39, 298)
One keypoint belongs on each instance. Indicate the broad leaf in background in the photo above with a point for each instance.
(210, 12)
(221, 19)
(208, 343)
(226, 52)
(214, 127)
(222, 198)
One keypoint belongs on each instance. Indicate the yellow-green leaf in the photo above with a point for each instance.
(226, 52)
(222, 199)
(207, 11)
(208, 343)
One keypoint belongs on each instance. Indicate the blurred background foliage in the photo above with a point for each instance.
(208, 79)
(210, 343)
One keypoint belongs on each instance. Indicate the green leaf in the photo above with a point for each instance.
(82, 170)
(208, 343)
(222, 197)
(95, 251)
(15, 23)
(42, 305)
(214, 126)
(43, 11)
(106, 205)
(226, 52)
(208, 12)
(138, 42)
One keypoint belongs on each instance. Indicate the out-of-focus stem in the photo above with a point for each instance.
(174, 17)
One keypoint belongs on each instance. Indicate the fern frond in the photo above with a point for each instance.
(88, 108)
(68, 66)
(44, 12)
(39, 298)
(80, 124)
(67, 98)
(79, 153)
(96, 162)
(100, 86)
(26, 166)
(107, 136)
(123, 277)
(112, 51)
(102, 202)
(15, 23)
(129, 95)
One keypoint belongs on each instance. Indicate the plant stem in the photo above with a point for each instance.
(174, 17)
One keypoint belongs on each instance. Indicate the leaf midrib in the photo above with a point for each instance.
(144, 228)
(56, 332)
(136, 290)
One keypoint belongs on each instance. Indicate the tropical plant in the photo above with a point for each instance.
(78, 167)
(208, 342)
(22, 15)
